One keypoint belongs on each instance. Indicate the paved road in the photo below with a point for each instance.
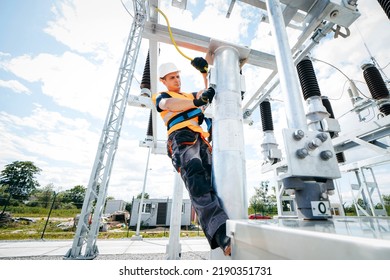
(147, 248)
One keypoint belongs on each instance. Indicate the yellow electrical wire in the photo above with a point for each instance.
(171, 36)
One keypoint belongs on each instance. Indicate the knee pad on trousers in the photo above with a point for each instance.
(198, 184)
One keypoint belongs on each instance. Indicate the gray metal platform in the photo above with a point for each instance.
(339, 238)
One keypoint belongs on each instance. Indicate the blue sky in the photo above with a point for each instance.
(58, 65)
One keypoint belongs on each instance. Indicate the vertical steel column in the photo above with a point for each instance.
(229, 173)
(286, 69)
(137, 236)
(174, 247)
(310, 161)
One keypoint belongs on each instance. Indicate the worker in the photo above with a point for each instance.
(190, 151)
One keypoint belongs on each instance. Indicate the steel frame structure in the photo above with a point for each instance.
(373, 136)
(315, 19)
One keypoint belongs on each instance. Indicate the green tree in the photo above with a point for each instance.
(255, 203)
(146, 196)
(129, 206)
(19, 177)
(75, 195)
(386, 199)
(261, 200)
(5, 198)
(386, 202)
(350, 209)
(45, 195)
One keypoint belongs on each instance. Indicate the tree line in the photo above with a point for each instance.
(19, 186)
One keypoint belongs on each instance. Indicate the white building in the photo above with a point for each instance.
(157, 212)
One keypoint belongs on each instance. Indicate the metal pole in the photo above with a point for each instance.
(128, 225)
(137, 236)
(229, 176)
(287, 72)
(174, 247)
(166, 215)
(48, 216)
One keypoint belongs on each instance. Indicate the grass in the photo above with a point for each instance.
(32, 230)
(25, 211)
(25, 230)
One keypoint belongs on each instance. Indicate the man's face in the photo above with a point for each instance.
(172, 81)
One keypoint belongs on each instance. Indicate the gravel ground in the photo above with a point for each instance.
(184, 256)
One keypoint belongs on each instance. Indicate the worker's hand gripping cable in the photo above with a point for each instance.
(207, 96)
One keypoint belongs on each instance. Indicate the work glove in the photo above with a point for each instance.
(200, 64)
(206, 97)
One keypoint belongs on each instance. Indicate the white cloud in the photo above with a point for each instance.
(91, 27)
(2, 54)
(62, 147)
(70, 79)
(83, 78)
(15, 86)
(49, 135)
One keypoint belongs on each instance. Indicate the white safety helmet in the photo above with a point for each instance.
(167, 68)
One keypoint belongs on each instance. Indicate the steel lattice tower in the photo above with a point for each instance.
(91, 213)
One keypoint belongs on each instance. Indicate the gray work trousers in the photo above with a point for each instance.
(191, 157)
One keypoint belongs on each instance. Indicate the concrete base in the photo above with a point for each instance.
(173, 251)
(337, 238)
(137, 237)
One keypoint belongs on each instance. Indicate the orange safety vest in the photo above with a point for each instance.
(191, 123)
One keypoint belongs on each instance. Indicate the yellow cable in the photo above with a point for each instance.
(171, 36)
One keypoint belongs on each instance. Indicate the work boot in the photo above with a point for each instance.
(228, 250)
(223, 241)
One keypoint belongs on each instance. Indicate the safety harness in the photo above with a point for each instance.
(190, 114)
